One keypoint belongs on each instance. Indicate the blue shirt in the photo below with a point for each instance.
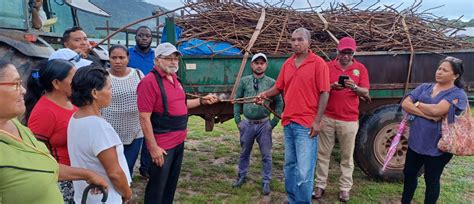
(142, 61)
(424, 133)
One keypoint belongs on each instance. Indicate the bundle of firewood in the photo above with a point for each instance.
(376, 28)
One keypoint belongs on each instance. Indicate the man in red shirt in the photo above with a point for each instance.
(341, 117)
(304, 81)
(163, 117)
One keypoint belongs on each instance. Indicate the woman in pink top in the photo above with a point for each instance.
(48, 111)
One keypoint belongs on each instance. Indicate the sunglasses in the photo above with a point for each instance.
(17, 84)
(453, 59)
(255, 84)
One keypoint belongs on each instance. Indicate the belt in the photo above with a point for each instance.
(258, 121)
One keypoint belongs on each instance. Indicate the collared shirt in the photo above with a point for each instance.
(344, 104)
(424, 133)
(142, 61)
(250, 86)
(149, 100)
(301, 88)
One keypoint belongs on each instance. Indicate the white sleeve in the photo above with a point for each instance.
(42, 16)
(104, 137)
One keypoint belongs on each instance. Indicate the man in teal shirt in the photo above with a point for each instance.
(257, 125)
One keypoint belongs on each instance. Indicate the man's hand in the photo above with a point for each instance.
(209, 99)
(83, 53)
(336, 86)
(315, 129)
(349, 83)
(157, 155)
(260, 99)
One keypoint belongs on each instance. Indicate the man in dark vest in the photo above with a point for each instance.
(163, 111)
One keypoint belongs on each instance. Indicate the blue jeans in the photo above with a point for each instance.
(300, 160)
(131, 153)
(145, 159)
(262, 132)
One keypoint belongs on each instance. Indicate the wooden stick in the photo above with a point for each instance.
(246, 55)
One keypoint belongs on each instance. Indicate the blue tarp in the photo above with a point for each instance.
(201, 47)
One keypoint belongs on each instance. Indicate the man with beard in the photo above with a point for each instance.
(141, 56)
(304, 81)
(163, 117)
(341, 119)
(76, 39)
(256, 125)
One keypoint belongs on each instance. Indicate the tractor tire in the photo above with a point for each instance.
(23, 63)
(376, 131)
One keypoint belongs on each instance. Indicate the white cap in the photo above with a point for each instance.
(165, 49)
(71, 56)
(256, 56)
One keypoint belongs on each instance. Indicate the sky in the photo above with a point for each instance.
(452, 9)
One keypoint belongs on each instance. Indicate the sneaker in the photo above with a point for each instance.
(239, 182)
(266, 188)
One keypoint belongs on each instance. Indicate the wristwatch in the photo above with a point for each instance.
(354, 88)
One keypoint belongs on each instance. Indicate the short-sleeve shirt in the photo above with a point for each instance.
(301, 88)
(49, 121)
(149, 100)
(344, 104)
(28, 173)
(87, 138)
(424, 133)
(142, 61)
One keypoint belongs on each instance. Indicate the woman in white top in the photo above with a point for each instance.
(122, 113)
(92, 142)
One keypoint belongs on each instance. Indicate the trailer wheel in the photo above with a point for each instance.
(22, 62)
(375, 135)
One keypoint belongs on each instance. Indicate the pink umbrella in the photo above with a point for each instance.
(393, 146)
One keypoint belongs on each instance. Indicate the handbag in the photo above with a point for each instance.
(458, 137)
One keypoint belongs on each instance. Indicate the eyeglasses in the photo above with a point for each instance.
(255, 84)
(17, 84)
(453, 59)
(175, 59)
(76, 58)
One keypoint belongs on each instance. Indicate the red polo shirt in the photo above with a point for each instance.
(301, 87)
(344, 104)
(149, 100)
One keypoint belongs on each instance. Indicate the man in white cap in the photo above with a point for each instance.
(71, 56)
(164, 116)
(257, 124)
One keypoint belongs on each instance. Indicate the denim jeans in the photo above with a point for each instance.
(131, 153)
(300, 160)
(145, 158)
(262, 133)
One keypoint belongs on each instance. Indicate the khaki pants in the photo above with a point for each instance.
(345, 132)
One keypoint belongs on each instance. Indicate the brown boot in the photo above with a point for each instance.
(318, 193)
(344, 196)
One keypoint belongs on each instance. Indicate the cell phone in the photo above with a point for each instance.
(341, 80)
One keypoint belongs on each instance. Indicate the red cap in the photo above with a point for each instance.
(347, 43)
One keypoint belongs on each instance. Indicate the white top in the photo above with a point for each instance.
(122, 113)
(86, 138)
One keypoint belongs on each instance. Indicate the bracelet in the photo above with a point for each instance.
(354, 88)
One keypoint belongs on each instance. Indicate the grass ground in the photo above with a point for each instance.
(210, 166)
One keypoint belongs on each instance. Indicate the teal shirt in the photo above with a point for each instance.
(253, 111)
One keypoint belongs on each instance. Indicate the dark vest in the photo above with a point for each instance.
(164, 122)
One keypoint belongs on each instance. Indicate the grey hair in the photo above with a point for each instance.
(306, 33)
(3, 65)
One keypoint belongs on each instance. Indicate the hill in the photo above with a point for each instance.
(122, 12)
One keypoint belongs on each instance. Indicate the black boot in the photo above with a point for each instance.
(239, 182)
(266, 188)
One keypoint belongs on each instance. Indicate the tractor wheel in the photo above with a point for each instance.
(22, 62)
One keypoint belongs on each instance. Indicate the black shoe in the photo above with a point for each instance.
(266, 188)
(239, 182)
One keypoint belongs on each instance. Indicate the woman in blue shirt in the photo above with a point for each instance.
(429, 103)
